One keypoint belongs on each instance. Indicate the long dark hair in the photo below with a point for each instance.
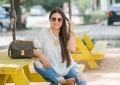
(63, 36)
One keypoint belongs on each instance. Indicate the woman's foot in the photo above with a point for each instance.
(70, 81)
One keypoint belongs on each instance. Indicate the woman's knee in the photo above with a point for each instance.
(81, 77)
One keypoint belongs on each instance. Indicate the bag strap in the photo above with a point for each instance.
(9, 49)
(13, 19)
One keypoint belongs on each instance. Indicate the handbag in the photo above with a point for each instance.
(20, 49)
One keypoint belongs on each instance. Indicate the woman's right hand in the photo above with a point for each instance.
(43, 59)
(45, 62)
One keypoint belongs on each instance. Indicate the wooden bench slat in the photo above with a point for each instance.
(100, 47)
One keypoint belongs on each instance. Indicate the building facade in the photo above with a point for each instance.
(105, 4)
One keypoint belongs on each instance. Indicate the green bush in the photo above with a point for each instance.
(95, 17)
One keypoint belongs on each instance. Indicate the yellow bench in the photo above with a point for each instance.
(14, 69)
(18, 70)
(88, 51)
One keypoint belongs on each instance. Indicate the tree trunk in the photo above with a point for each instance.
(18, 14)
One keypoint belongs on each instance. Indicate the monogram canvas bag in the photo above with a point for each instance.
(20, 49)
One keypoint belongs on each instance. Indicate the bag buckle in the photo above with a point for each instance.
(22, 52)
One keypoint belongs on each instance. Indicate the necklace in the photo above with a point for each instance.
(56, 39)
(56, 42)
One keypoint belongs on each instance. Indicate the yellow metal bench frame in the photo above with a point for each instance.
(88, 51)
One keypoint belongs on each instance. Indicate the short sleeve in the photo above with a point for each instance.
(37, 44)
(38, 39)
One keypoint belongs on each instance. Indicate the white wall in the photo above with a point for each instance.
(104, 4)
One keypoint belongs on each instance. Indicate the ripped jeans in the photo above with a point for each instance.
(51, 76)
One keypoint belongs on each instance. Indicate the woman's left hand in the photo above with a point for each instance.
(71, 23)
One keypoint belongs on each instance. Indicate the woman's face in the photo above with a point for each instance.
(56, 21)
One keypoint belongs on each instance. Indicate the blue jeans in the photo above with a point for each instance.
(51, 76)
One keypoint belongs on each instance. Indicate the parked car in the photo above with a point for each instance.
(4, 20)
(37, 10)
(114, 13)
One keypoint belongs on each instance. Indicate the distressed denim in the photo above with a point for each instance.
(77, 75)
(51, 76)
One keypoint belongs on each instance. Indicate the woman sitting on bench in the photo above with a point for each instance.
(56, 64)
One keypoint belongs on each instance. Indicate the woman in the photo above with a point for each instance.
(56, 64)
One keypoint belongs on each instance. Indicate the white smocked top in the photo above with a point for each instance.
(44, 41)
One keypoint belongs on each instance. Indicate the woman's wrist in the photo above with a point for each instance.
(72, 33)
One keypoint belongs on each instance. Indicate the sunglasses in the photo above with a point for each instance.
(54, 19)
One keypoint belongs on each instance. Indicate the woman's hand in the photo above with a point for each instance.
(71, 23)
(45, 62)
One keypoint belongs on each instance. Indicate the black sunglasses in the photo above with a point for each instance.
(59, 19)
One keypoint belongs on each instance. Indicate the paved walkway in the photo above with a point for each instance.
(6, 37)
(97, 31)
